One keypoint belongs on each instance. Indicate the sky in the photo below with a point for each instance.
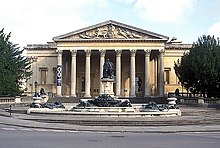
(38, 21)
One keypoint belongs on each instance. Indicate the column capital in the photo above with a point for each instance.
(88, 52)
(162, 51)
(118, 52)
(147, 52)
(59, 51)
(102, 52)
(74, 52)
(133, 52)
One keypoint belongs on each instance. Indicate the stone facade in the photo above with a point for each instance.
(143, 62)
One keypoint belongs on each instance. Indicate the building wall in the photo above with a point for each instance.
(171, 56)
(42, 59)
(47, 58)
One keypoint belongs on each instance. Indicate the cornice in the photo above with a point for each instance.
(111, 40)
(178, 46)
(41, 46)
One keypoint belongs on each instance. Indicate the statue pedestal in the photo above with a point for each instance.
(107, 86)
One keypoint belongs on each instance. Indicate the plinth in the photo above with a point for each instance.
(107, 86)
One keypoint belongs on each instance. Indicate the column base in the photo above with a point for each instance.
(59, 91)
(87, 96)
(73, 96)
(117, 96)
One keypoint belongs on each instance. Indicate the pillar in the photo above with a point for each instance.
(59, 72)
(73, 73)
(147, 73)
(118, 72)
(132, 73)
(161, 92)
(155, 71)
(102, 61)
(87, 74)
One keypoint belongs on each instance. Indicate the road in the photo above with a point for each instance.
(17, 137)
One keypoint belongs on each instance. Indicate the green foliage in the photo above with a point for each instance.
(199, 69)
(14, 67)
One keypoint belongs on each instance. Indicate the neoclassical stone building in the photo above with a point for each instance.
(72, 65)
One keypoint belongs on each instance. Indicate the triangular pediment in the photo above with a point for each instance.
(110, 30)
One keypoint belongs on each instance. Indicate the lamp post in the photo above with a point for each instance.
(35, 86)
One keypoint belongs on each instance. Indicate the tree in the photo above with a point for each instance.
(14, 67)
(199, 69)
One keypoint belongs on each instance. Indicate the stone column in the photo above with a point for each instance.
(87, 73)
(147, 73)
(118, 72)
(161, 92)
(102, 61)
(132, 73)
(73, 73)
(155, 71)
(59, 72)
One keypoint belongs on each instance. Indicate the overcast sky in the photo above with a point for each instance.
(38, 21)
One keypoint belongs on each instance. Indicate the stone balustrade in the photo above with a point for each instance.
(200, 101)
(14, 100)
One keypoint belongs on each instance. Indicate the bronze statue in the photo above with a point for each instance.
(108, 70)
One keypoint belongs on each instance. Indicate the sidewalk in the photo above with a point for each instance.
(190, 117)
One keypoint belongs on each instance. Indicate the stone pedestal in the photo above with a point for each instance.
(171, 101)
(37, 101)
(107, 86)
(44, 98)
(17, 99)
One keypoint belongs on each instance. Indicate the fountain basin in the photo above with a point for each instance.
(104, 109)
(165, 113)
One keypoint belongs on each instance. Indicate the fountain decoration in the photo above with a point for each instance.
(104, 101)
(40, 103)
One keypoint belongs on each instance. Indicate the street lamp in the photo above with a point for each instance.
(35, 86)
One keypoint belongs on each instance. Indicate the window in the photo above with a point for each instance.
(43, 75)
(54, 75)
(167, 75)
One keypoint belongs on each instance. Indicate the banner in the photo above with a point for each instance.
(59, 75)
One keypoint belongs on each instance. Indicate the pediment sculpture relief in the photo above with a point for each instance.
(110, 32)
